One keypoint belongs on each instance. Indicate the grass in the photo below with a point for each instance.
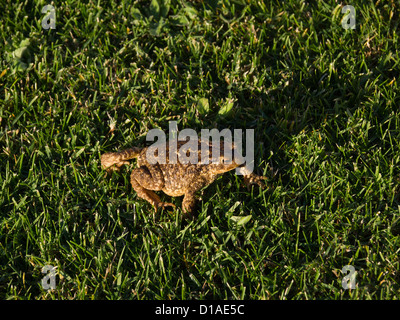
(323, 102)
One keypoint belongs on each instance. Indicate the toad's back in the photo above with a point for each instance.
(180, 178)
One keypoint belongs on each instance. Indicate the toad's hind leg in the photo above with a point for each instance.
(114, 160)
(150, 177)
(144, 193)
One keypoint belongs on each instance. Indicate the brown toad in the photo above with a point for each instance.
(176, 179)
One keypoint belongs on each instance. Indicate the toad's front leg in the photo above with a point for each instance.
(188, 204)
(253, 179)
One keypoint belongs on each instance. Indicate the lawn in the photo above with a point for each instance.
(322, 100)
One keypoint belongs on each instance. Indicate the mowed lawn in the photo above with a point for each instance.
(323, 101)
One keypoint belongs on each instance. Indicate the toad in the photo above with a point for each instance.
(176, 178)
